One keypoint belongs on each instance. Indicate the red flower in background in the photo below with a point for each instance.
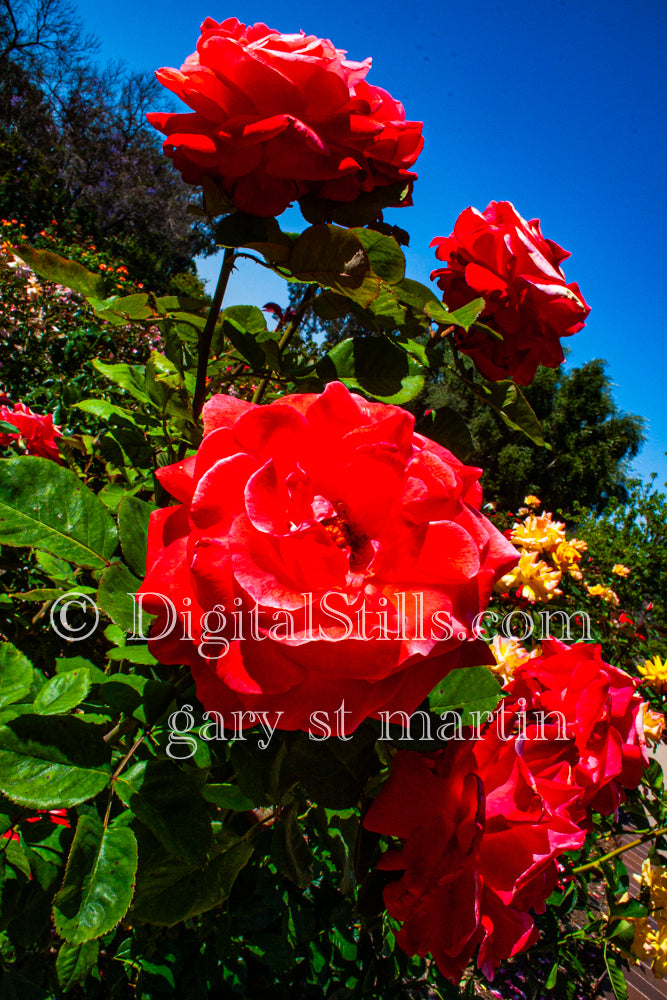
(313, 507)
(275, 117)
(500, 256)
(481, 833)
(602, 711)
(56, 816)
(37, 432)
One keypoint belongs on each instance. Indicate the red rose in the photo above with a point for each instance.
(38, 433)
(600, 711)
(505, 259)
(278, 116)
(329, 534)
(480, 835)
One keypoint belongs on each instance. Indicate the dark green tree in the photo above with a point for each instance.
(592, 441)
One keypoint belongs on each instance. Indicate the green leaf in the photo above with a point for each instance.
(66, 663)
(385, 255)
(127, 307)
(56, 569)
(243, 327)
(51, 762)
(329, 255)
(439, 314)
(552, 978)
(131, 378)
(227, 797)
(143, 698)
(466, 690)
(104, 410)
(132, 653)
(510, 403)
(263, 235)
(376, 367)
(16, 675)
(51, 267)
(160, 369)
(46, 845)
(46, 506)
(616, 977)
(133, 516)
(334, 771)
(446, 426)
(166, 387)
(62, 692)
(416, 295)
(114, 595)
(249, 318)
(489, 331)
(51, 593)
(466, 315)
(99, 881)
(163, 797)
(74, 962)
(169, 891)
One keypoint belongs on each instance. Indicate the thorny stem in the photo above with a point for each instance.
(299, 313)
(206, 335)
(621, 850)
(457, 361)
(128, 756)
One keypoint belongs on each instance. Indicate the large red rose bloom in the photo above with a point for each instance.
(498, 255)
(327, 534)
(275, 117)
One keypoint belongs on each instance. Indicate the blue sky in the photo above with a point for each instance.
(557, 106)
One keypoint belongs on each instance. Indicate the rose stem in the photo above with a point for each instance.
(309, 294)
(653, 835)
(206, 335)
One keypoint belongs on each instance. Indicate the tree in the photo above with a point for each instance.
(592, 441)
(75, 147)
(37, 32)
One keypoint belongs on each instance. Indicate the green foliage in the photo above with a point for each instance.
(634, 532)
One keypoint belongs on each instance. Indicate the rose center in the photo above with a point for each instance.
(346, 535)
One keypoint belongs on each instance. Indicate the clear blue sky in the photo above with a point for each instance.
(556, 105)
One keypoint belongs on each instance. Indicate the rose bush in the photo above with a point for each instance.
(319, 558)
(275, 117)
(318, 495)
(37, 431)
(505, 259)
